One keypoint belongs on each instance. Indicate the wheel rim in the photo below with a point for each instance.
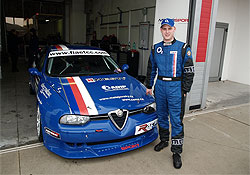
(38, 122)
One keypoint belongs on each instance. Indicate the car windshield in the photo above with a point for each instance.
(81, 65)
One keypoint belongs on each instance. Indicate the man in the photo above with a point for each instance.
(33, 48)
(173, 62)
(13, 49)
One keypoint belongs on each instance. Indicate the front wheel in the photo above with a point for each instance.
(39, 125)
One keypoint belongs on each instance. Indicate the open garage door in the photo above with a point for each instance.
(217, 59)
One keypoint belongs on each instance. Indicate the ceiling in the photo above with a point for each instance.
(28, 8)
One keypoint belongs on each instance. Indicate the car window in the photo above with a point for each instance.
(81, 65)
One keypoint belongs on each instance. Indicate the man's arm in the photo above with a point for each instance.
(188, 71)
(151, 73)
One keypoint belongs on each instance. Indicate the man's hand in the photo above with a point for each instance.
(149, 91)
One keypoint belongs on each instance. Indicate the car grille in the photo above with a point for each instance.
(106, 117)
(119, 118)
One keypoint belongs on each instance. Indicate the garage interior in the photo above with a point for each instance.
(92, 20)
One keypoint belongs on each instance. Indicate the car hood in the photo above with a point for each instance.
(95, 95)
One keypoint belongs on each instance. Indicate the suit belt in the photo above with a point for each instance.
(168, 78)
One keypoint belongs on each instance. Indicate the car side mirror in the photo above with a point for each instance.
(125, 67)
(34, 71)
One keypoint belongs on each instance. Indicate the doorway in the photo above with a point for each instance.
(219, 46)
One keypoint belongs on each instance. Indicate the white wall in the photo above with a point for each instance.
(236, 65)
(110, 7)
(168, 9)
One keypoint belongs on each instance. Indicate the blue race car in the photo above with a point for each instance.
(88, 106)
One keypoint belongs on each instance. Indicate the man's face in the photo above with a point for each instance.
(167, 32)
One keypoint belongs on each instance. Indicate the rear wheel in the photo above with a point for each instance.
(39, 125)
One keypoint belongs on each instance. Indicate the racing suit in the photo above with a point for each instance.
(175, 78)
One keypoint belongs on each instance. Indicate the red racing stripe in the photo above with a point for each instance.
(58, 47)
(79, 100)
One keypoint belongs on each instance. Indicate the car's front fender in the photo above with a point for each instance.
(52, 106)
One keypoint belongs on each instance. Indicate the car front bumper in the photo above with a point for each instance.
(99, 149)
(100, 138)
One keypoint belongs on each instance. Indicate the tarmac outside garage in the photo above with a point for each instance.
(216, 138)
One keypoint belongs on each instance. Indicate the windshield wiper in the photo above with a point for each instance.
(67, 66)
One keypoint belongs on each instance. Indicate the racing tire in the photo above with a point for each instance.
(39, 125)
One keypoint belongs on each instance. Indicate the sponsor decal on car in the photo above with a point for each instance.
(145, 127)
(130, 146)
(92, 80)
(45, 91)
(116, 97)
(77, 52)
(133, 99)
(58, 89)
(114, 88)
(123, 98)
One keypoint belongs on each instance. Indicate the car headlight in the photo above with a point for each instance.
(74, 119)
(150, 108)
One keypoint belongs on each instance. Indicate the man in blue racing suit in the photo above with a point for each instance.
(173, 62)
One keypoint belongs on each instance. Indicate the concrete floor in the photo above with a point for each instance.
(18, 113)
(226, 93)
(216, 138)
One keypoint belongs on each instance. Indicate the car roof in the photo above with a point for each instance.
(72, 47)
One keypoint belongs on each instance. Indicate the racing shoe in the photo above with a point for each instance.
(161, 145)
(177, 160)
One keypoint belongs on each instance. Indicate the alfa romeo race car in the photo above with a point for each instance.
(88, 106)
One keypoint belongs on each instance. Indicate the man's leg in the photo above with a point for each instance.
(176, 116)
(162, 113)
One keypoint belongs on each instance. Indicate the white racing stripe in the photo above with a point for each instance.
(86, 96)
(63, 47)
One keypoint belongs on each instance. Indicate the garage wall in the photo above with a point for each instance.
(46, 30)
(77, 22)
(180, 16)
(110, 7)
(237, 58)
